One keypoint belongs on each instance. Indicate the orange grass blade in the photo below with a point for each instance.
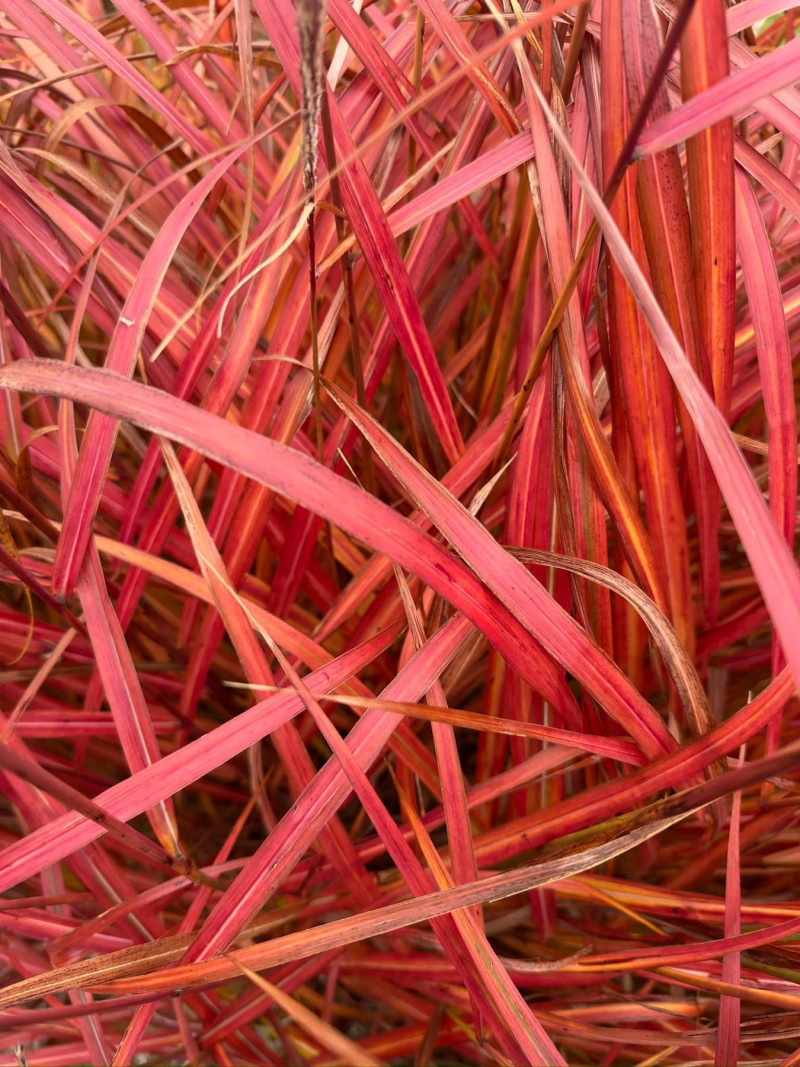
(709, 160)
(106, 977)
(772, 562)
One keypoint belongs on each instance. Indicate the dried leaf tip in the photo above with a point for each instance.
(310, 25)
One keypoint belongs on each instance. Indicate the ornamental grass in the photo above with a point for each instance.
(399, 612)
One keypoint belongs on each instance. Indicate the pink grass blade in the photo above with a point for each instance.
(611, 486)
(124, 693)
(440, 17)
(781, 188)
(747, 13)
(454, 800)
(326, 1034)
(389, 78)
(621, 750)
(85, 33)
(734, 732)
(17, 762)
(709, 158)
(98, 442)
(391, 279)
(281, 851)
(172, 574)
(536, 1047)
(735, 96)
(644, 445)
(206, 101)
(239, 624)
(590, 807)
(774, 355)
(521, 1022)
(680, 665)
(456, 755)
(581, 497)
(775, 370)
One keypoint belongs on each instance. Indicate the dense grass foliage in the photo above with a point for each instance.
(398, 486)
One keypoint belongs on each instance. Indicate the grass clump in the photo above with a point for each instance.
(399, 496)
